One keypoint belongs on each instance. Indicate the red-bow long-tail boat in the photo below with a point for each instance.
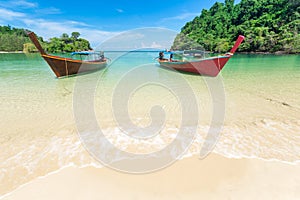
(67, 66)
(208, 66)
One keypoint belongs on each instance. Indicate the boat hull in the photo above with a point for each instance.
(209, 67)
(66, 67)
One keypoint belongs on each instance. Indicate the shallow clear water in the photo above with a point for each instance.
(38, 125)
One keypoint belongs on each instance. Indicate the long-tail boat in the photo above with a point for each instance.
(207, 66)
(62, 66)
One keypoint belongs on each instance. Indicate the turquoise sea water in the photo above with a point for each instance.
(38, 130)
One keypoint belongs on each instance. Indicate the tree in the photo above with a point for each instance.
(15, 39)
(268, 25)
(68, 44)
(29, 48)
(12, 39)
(75, 35)
(64, 36)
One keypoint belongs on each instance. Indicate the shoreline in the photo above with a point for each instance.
(215, 177)
(251, 53)
(11, 52)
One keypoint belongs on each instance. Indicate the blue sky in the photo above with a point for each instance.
(98, 20)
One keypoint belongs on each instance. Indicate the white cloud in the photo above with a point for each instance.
(9, 14)
(49, 29)
(20, 4)
(119, 10)
(143, 38)
(152, 45)
(96, 37)
(25, 4)
(137, 38)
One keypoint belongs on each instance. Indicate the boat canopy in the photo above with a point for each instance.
(83, 53)
(168, 52)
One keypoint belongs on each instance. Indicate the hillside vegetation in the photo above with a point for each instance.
(268, 25)
(15, 39)
(12, 39)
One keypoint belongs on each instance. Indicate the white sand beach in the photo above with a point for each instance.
(215, 177)
(254, 157)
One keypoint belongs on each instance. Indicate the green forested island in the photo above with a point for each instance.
(268, 25)
(15, 39)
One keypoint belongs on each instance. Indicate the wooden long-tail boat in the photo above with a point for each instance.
(67, 66)
(208, 66)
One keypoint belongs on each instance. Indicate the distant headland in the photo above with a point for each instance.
(16, 40)
(269, 27)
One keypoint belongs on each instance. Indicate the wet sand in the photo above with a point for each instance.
(215, 177)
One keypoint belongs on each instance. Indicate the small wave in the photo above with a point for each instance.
(264, 139)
